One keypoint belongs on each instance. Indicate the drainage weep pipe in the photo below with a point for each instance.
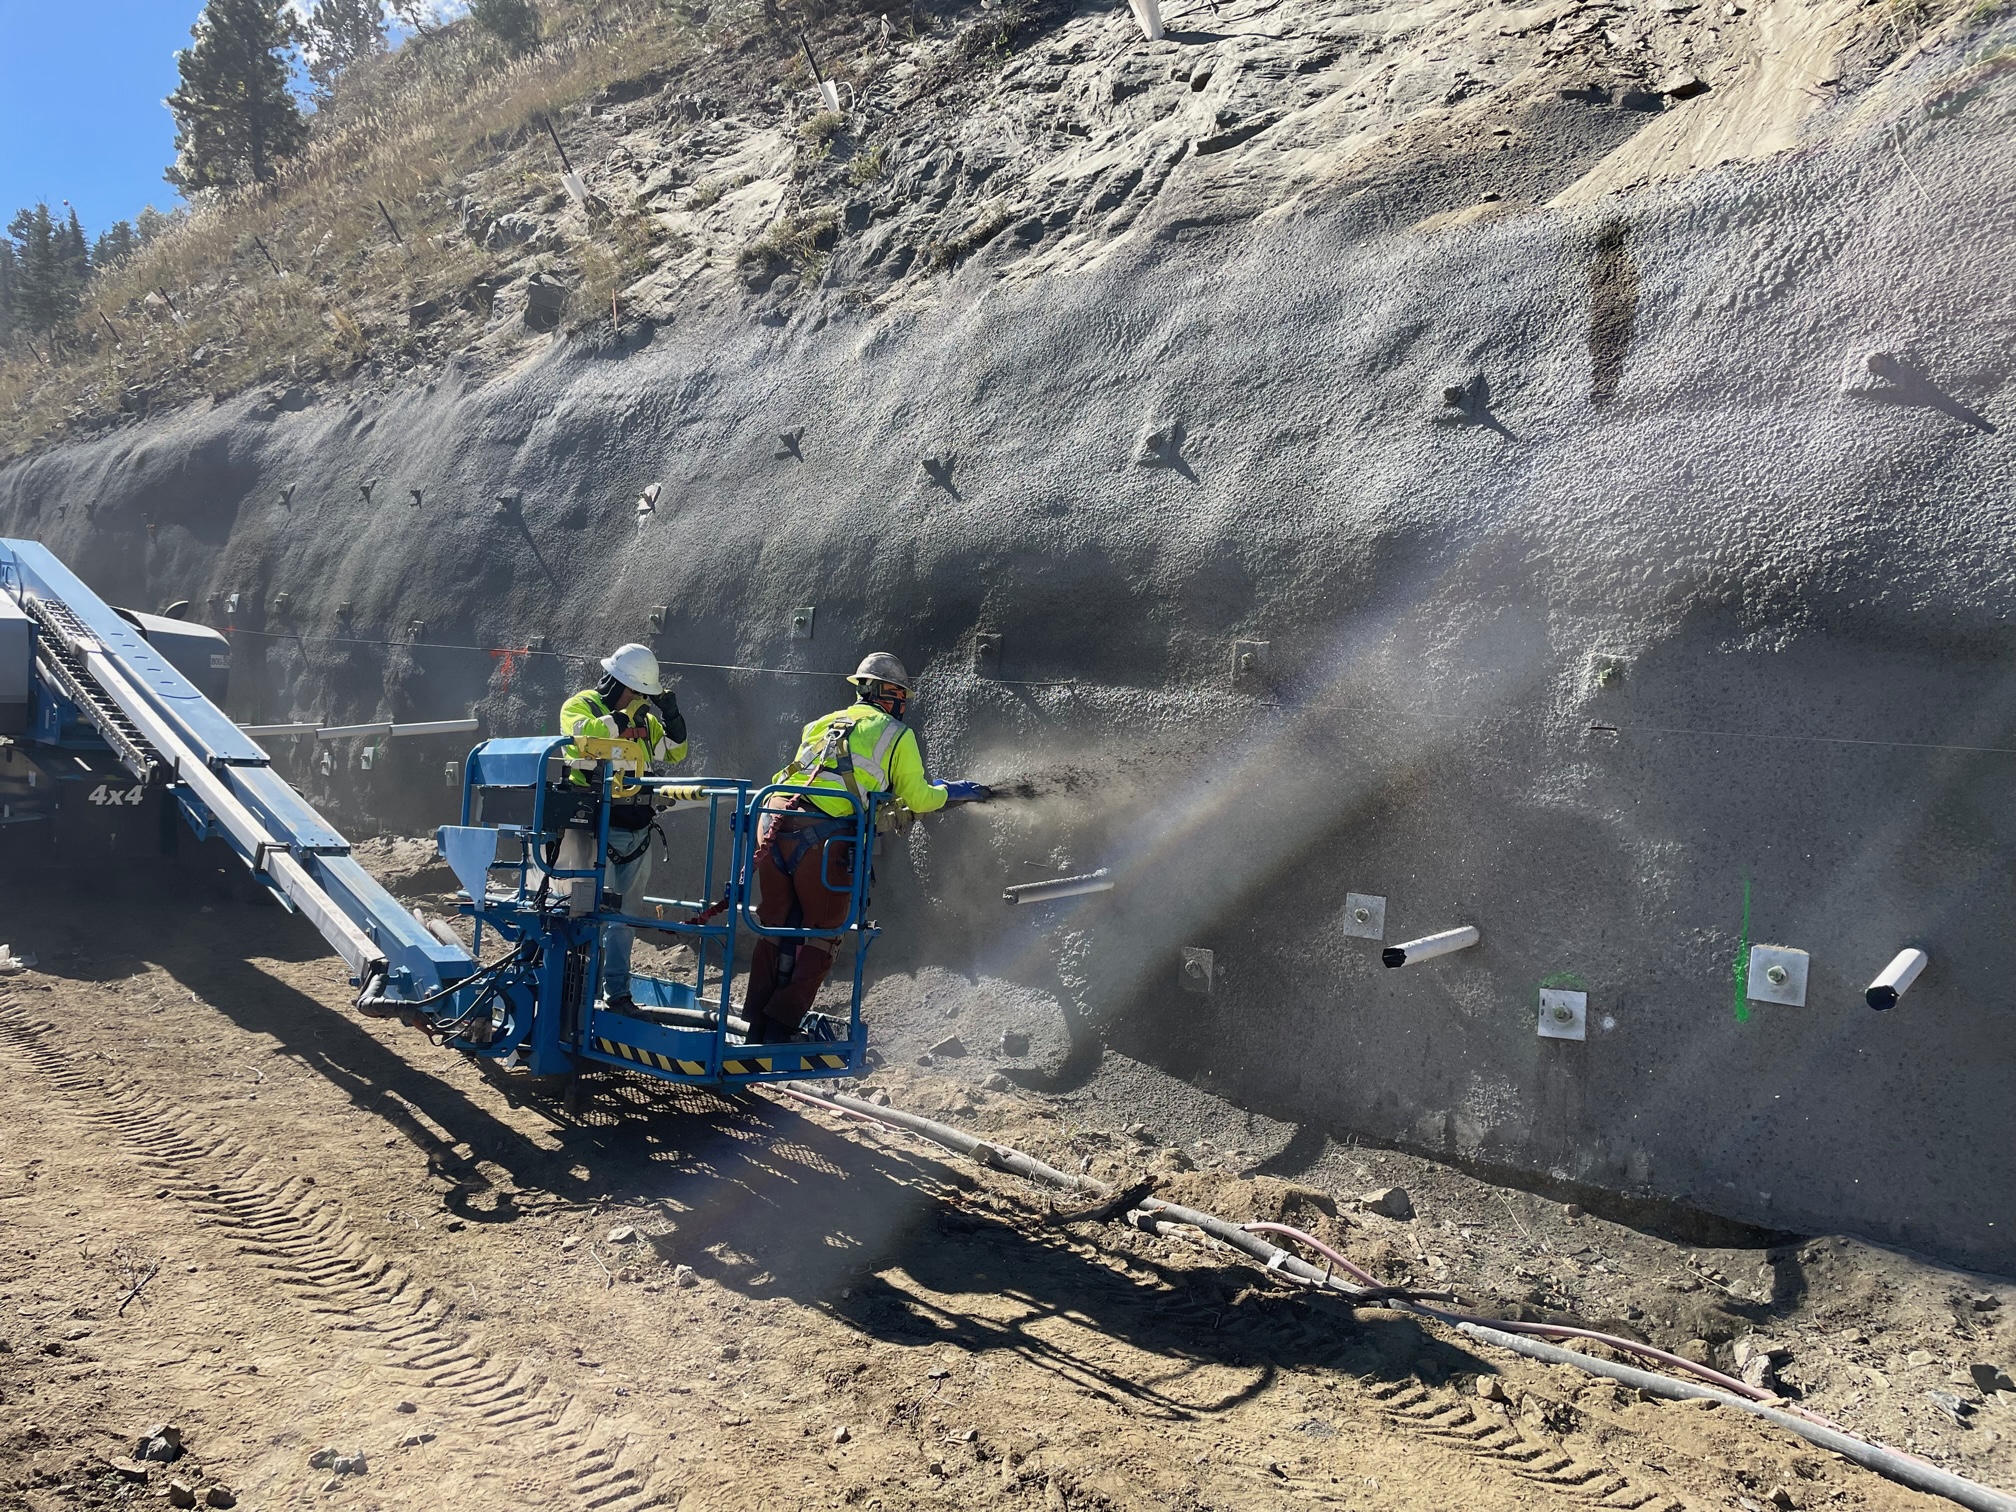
(1896, 978)
(1061, 887)
(1430, 946)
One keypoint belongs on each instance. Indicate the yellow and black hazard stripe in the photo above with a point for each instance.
(651, 1058)
(754, 1065)
(772, 1063)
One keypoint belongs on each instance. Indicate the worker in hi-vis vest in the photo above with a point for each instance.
(630, 703)
(862, 749)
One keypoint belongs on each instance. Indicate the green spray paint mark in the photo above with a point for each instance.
(1741, 1001)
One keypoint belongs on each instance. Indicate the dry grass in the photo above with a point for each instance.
(823, 127)
(983, 228)
(799, 241)
(867, 167)
(627, 248)
(405, 134)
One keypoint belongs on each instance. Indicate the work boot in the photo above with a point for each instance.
(793, 1000)
(622, 1003)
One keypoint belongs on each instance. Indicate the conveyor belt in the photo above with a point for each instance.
(59, 659)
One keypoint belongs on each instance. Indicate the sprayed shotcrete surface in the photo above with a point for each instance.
(1668, 450)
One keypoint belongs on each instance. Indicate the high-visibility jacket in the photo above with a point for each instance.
(886, 760)
(586, 717)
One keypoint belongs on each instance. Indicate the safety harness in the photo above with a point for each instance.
(789, 848)
(624, 858)
(623, 746)
(835, 754)
(634, 734)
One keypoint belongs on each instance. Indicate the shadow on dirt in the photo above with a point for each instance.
(894, 1242)
(908, 1249)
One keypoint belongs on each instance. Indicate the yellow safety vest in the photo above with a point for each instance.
(881, 755)
(586, 717)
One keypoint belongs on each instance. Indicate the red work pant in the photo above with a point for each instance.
(773, 1010)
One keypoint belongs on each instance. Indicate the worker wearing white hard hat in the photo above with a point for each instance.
(630, 703)
(862, 749)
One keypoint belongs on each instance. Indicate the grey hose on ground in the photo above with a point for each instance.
(1903, 1468)
(1272, 1256)
(1002, 1159)
(1544, 1330)
(987, 1154)
(1153, 1214)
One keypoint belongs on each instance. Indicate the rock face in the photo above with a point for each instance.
(1680, 627)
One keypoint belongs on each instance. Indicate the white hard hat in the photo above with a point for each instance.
(880, 666)
(635, 667)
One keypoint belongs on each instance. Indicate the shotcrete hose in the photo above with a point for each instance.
(1152, 1215)
(998, 1157)
(1905, 1469)
(1550, 1330)
(1753, 1397)
(1153, 1210)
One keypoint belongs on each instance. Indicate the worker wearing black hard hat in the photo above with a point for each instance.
(861, 749)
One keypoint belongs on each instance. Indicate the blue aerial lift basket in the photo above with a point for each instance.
(537, 1004)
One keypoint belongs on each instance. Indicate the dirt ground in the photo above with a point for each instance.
(229, 1205)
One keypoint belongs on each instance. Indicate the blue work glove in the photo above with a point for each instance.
(967, 792)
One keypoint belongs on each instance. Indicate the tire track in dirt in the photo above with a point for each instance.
(301, 1239)
(1446, 1417)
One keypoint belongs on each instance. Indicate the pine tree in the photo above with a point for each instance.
(338, 35)
(234, 116)
(8, 317)
(414, 15)
(513, 22)
(73, 253)
(46, 278)
(118, 242)
(150, 223)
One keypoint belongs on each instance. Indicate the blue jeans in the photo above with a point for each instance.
(628, 880)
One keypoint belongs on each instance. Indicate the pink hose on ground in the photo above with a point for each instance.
(1541, 1330)
(1319, 1246)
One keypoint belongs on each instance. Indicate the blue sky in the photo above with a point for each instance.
(81, 118)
